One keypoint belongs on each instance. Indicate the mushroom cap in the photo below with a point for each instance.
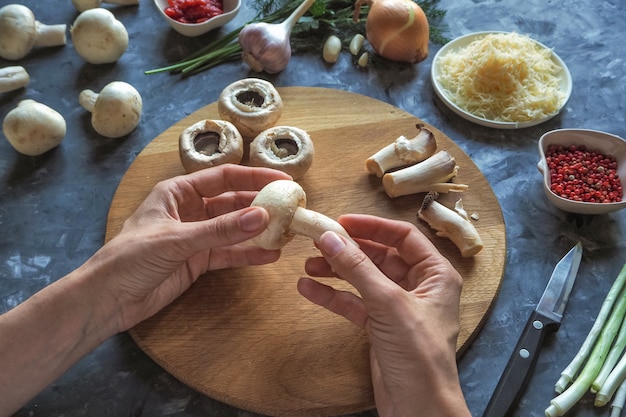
(116, 110)
(209, 143)
(33, 128)
(286, 148)
(98, 37)
(251, 104)
(18, 31)
(281, 199)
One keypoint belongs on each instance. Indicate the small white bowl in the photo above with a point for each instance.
(602, 142)
(231, 8)
(565, 83)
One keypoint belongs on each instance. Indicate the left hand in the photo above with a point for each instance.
(187, 226)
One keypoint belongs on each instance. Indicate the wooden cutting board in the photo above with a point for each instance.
(245, 336)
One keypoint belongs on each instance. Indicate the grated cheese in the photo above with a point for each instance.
(504, 77)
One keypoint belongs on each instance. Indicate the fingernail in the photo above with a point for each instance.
(332, 243)
(252, 220)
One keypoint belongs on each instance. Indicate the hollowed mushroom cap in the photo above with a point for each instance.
(209, 143)
(281, 199)
(251, 104)
(286, 148)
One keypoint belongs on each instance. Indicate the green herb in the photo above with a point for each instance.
(324, 18)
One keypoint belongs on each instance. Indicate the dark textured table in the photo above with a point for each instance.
(53, 208)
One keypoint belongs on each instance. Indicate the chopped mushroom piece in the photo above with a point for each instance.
(13, 78)
(431, 174)
(403, 152)
(450, 224)
(285, 202)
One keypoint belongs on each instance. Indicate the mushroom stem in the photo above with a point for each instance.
(50, 35)
(12, 78)
(403, 152)
(313, 224)
(450, 224)
(87, 99)
(431, 174)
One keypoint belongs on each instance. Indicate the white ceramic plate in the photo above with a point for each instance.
(231, 8)
(460, 43)
(605, 143)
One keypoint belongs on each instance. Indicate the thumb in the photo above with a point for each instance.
(352, 264)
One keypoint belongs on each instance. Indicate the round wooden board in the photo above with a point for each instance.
(245, 336)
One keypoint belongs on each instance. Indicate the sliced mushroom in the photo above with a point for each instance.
(286, 148)
(285, 202)
(251, 104)
(209, 143)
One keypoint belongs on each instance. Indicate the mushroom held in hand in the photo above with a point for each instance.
(98, 37)
(13, 78)
(286, 148)
(116, 111)
(251, 104)
(403, 152)
(209, 143)
(20, 32)
(285, 202)
(33, 128)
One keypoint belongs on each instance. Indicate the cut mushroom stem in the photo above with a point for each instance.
(286, 148)
(285, 201)
(13, 78)
(208, 143)
(20, 32)
(432, 174)
(403, 152)
(451, 224)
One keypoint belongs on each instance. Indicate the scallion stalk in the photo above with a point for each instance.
(618, 402)
(607, 305)
(611, 359)
(566, 400)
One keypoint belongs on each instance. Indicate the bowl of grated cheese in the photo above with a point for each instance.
(502, 80)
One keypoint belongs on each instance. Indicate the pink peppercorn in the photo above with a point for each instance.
(583, 175)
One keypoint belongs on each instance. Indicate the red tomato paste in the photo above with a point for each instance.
(193, 11)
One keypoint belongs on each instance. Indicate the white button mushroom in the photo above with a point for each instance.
(285, 201)
(286, 148)
(116, 111)
(13, 78)
(20, 32)
(33, 128)
(209, 143)
(251, 104)
(82, 5)
(98, 37)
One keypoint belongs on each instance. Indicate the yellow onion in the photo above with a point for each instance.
(397, 29)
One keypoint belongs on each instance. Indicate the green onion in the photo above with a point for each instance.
(618, 402)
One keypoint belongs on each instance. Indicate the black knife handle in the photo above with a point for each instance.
(520, 365)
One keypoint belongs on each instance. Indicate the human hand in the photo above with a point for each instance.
(409, 309)
(186, 226)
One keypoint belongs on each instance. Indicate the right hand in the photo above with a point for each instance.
(409, 309)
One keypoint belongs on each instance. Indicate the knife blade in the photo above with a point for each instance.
(546, 317)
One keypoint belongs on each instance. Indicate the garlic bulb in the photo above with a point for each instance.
(266, 46)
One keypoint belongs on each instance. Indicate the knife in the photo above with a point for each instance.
(546, 317)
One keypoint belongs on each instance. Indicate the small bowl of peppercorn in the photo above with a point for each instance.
(583, 170)
(197, 17)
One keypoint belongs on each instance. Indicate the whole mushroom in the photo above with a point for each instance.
(33, 128)
(82, 5)
(209, 143)
(13, 78)
(98, 37)
(115, 111)
(285, 201)
(20, 32)
(286, 148)
(251, 104)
